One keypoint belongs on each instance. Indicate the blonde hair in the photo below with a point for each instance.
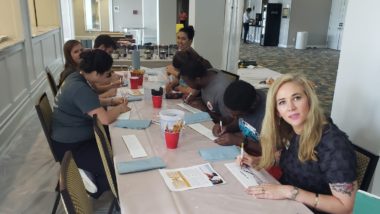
(275, 132)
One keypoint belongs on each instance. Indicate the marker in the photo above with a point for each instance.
(188, 96)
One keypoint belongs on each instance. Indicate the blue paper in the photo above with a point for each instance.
(140, 165)
(133, 124)
(197, 117)
(134, 98)
(220, 153)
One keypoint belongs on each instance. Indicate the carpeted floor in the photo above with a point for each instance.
(319, 65)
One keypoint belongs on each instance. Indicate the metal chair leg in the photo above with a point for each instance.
(57, 199)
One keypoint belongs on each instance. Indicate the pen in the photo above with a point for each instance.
(188, 96)
(242, 150)
(221, 124)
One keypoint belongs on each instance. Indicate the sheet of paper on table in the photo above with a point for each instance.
(203, 130)
(248, 176)
(124, 116)
(189, 108)
(134, 146)
(192, 177)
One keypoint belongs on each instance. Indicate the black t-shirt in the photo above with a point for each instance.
(336, 163)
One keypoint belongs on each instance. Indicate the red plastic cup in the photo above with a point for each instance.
(141, 79)
(157, 101)
(134, 82)
(171, 139)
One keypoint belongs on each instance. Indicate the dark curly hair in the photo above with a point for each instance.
(95, 60)
(191, 64)
(233, 96)
(189, 31)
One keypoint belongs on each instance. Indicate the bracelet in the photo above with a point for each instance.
(294, 192)
(316, 200)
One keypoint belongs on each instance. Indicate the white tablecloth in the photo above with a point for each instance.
(146, 192)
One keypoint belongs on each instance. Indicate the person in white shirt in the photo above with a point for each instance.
(246, 23)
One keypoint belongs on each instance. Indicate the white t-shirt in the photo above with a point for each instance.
(245, 17)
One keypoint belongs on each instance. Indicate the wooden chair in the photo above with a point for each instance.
(45, 114)
(74, 195)
(51, 80)
(365, 168)
(105, 150)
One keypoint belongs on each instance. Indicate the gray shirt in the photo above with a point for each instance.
(74, 100)
(212, 94)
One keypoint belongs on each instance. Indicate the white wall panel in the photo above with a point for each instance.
(48, 50)
(4, 91)
(38, 59)
(356, 101)
(17, 78)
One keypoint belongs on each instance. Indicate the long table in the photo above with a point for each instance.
(146, 192)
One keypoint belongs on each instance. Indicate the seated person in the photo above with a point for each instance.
(185, 38)
(72, 50)
(247, 107)
(316, 158)
(74, 106)
(106, 43)
(211, 82)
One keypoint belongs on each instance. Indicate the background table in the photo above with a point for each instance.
(146, 192)
(149, 63)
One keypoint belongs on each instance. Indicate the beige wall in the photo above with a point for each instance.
(47, 13)
(80, 31)
(10, 19)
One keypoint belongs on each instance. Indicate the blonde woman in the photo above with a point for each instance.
(316, 158)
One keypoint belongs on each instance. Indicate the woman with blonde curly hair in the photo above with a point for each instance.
(317, 159)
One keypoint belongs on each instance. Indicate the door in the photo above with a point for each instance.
(336, 24)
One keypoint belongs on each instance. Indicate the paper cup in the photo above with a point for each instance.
(171, 139)
(169, 117)
(157, 101)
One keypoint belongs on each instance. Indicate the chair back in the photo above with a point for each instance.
(106, 154)
(230, 75)
(366, 203)
(45, 115)
(365, 167)
(71, 187)
(52, 83)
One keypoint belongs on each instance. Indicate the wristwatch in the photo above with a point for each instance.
(294, 193)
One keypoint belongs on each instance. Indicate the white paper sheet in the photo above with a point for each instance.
(189, 107)
(134, 146)
(203, 130)
(191, 177)
(248, 176)
(124, 116)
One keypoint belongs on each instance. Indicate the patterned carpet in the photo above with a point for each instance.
(319, 65)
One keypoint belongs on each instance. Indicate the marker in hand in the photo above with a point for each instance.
(188, 96)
